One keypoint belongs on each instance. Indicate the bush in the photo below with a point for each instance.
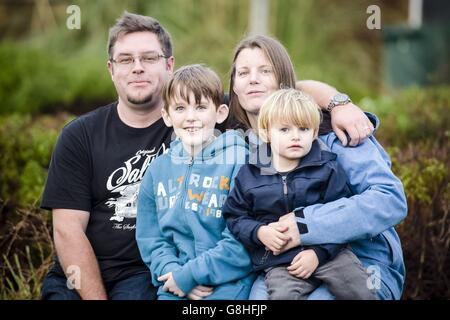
(61, 69)
(425, 233)
(26, 145)
(27, 252)
(415, 127)
(26, 249)
(413, 115)
(36, 80)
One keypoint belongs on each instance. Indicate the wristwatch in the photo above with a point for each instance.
(338, 100)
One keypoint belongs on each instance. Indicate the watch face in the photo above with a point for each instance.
(340, 98)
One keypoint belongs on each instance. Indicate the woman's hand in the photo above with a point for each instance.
(349, 118)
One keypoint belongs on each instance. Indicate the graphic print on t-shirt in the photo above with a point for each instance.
(124, 183)
(125, 205)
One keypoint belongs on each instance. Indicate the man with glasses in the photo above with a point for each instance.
(96, 168)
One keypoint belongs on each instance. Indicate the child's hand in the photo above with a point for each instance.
(273, 239)
(304, 264)
(199, 292)
(170, 284)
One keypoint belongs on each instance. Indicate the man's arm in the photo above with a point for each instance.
(74, 249)
(345, 118)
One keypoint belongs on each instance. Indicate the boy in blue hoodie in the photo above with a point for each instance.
(180, 230)
(296, 173)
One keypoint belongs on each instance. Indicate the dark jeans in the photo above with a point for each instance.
(134, 287)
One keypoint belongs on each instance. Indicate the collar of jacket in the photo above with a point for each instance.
(229, 139)
(316, 157)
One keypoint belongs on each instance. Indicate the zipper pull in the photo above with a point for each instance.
(285, 188)
(266, 255)
(191, 161)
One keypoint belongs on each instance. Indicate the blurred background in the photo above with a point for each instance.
(392, 59)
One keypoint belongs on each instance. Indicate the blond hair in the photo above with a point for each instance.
(290, 106)
(196, 78)
(279, 59)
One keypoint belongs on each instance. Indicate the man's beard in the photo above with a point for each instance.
(140, 100)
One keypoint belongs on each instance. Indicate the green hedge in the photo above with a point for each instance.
(61, 69)
(35, 80)
(415, 130)
(26, 145)
(413, 115)
(425, 233)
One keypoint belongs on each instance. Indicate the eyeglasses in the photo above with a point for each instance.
(146, 59)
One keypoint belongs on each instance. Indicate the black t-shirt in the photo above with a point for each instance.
(97, 166)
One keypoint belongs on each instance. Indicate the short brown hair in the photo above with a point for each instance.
(130, 22)
(195, 78)
(278, 58)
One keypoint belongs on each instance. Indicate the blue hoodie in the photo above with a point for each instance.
(180, 227)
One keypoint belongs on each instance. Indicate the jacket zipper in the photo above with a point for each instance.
(266, 255)
(285, 192)
(183, 197)
(185, 182)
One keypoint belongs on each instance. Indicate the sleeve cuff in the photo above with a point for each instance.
(185, 279)
(374, 119)
(170, 267)
(299, 214)
(254, 235)
(321, 253)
